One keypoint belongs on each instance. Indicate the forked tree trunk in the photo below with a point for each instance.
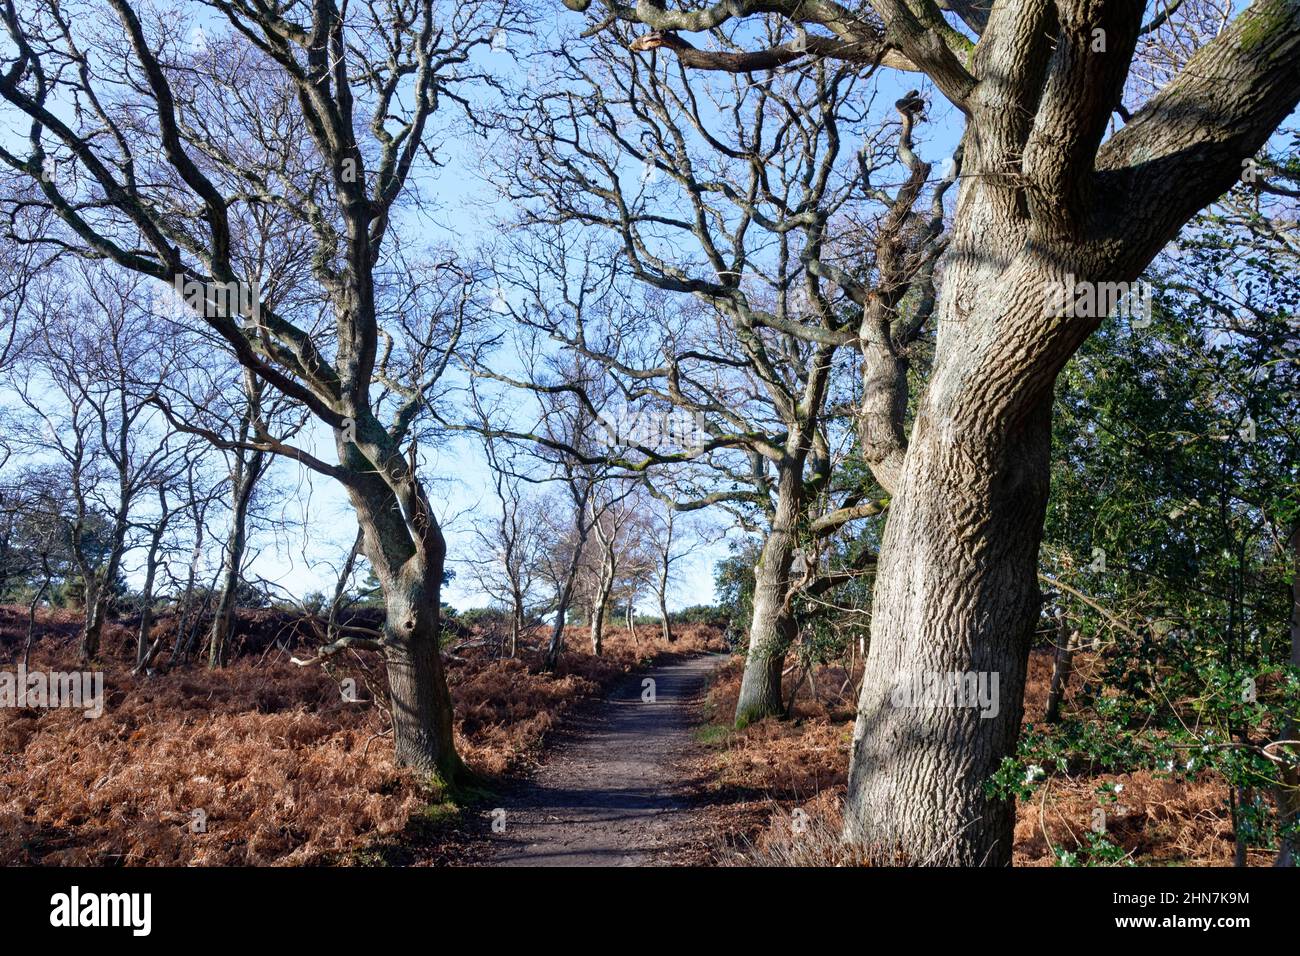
(1044, 204)
(956, 589)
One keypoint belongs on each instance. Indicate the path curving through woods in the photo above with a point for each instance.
(610, 792)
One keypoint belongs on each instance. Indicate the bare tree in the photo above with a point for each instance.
(84, 384)
(1047, 202)
(756, 197)
(168, 162)
(671, 538)
(247, 466)
(565, 438)
(611, 556)
(35, 535)
(157, 530)
(24, 273)
(510, 543)
(199, 497)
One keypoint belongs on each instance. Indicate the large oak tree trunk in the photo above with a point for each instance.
(956, 593)
(417, 686)
(411, 579)
(1044, 213)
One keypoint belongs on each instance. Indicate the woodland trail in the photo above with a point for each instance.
(610, 793)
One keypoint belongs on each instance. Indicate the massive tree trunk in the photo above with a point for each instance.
(1044, 216)
(771, 629)
(956, 593)
(1047, 197)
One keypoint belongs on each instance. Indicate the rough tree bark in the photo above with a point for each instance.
(1043, 205)
(335, 217)
(410, 576)
(956, 591)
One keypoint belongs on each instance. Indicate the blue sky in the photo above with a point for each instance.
(318, 523)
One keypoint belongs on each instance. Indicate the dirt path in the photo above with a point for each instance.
(609, 795)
